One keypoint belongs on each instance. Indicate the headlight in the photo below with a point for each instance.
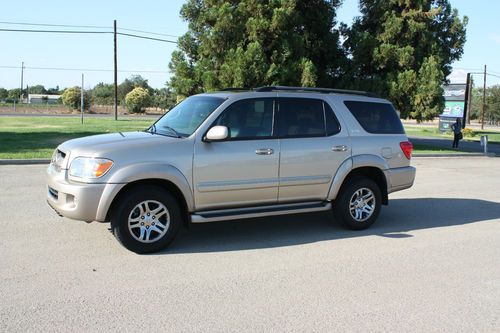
(88, 167)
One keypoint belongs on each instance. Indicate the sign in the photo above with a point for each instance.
(454, 96)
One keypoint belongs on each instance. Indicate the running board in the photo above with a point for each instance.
(252, 212)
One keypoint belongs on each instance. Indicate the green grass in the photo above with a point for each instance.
(425, 149)
(37, 137)
(493, 136)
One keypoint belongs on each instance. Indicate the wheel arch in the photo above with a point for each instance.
(369, 166)
(157, 174)
(161, 183)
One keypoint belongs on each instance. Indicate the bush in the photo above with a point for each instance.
(71, 97)
(137, 100)
(468, 132)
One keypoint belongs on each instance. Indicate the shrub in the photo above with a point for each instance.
(71, 97)
(137, 100)
(468, 132)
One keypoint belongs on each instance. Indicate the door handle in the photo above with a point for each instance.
(264, 151)
(340, 148)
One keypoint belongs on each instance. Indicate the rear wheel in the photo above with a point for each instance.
(146, 220)
(358, 205)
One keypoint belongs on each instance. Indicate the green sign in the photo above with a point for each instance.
(453, 109)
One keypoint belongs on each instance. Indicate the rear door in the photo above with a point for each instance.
(313, 146)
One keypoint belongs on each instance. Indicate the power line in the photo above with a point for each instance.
(89, 32)
(85, 26)
(148, 32)
(144, 37)
(55, 25)
(85, 69)
(58, 31)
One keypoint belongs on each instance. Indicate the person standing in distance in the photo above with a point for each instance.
(457, 132)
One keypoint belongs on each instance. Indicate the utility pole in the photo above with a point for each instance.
(81, 100)
(484, 99)
(116, 74)
(22, 77)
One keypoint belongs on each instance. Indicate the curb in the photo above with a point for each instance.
(24, 162)
(456, 155)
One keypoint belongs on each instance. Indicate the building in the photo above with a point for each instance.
(43, 99)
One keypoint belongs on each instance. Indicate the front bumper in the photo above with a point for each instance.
(399, 178)
(76, 201)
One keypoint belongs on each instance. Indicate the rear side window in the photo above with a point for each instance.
(376, 118)
(304, 117)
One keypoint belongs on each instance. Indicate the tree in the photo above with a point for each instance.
(103, 94)
(71, 97)
(251, 43)
(491, 107)
(129, 84)
(38, 89)
(403, 50)
(14, 94)
(163, 99)
(4, 93)
(137, 100)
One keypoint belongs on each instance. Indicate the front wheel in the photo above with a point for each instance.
(146, 220)
(358, 204)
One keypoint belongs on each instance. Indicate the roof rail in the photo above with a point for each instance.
(235, 89)
(319, 90)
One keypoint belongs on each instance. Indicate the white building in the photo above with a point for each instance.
(43, 99)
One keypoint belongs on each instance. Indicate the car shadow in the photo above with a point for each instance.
(395, 221)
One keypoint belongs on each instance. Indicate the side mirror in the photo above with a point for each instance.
(217, 133)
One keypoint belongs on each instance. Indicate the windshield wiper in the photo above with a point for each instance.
(177, 135)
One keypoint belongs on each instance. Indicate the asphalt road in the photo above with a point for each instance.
(464, 145)
(431, 263)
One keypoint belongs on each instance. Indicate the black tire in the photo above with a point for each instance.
(149, 198)
(341, 207)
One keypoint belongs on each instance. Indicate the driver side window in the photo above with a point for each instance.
(249, 119)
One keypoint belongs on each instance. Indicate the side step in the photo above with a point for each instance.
(252, 212)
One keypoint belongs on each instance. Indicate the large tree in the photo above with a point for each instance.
(403, 50)
(249, 43)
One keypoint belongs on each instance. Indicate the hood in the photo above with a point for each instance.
(109, 145)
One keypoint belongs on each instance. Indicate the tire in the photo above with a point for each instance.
(146, 219)
(358, 214)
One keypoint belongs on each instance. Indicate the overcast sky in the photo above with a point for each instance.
(150, 58)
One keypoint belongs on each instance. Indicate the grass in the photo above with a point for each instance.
(493, 136)
(37, 137)
(425, 149)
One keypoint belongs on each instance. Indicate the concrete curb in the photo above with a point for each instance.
(456, 155)
(24, 162)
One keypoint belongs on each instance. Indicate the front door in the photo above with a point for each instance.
(242, 170)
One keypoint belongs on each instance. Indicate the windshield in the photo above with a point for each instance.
(184, 118)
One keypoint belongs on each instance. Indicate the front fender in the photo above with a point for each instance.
(143, 171)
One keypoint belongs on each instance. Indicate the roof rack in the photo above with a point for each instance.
(235, 89)
(319, 90)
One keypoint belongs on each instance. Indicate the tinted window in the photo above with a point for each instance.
(300, 117)
(332, 124)
(378, 118)
(248, 119)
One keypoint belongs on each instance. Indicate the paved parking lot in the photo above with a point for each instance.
(430, 263)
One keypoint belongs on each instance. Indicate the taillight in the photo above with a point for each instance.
(407, 148)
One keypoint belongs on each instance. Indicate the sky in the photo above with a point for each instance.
(149, 58)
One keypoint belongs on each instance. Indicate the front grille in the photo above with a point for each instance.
(53, 193)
